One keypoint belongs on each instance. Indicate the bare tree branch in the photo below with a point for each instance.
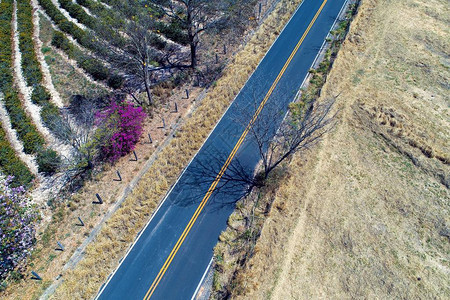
(302, 126)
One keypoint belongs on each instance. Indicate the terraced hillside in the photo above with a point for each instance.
(24, 133)
(42, 40)
(30, 103)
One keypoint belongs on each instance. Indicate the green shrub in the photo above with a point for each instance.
(106, 15)
(48, 161)
(174, 32)
(32, 140)
(78, 13)
(10, 164)
(5, 43)
(26, 130)
(115, 81)
(58, 39)
(52, 11)
(40, 95)
(86, 3)
(94, 68)
(30, 64)
(51, 116)
(157, 42)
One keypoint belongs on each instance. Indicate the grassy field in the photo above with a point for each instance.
(365, 214)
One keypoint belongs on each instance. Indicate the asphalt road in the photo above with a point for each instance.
(174, 249)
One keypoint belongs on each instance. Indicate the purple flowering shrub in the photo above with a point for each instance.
(17, 226)
(121, 127)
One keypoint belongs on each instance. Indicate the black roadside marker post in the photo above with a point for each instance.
(217, 58)
(224, 49)
(163, 124)
(60, 246)
(118, 174)
(135, 156)
(260, 9)
(176, 108)
(35, 276)
(150, 138)
(187, 94)
(81, 222)
(100, 201)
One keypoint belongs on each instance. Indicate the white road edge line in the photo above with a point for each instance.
(203, 278)
(181, 175)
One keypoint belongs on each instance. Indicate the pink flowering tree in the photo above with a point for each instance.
(121, 127)
(17, 226)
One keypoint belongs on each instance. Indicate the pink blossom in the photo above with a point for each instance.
(122, 125)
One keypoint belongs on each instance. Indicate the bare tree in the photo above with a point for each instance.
(276, 134)
(143, 55)
(303, 126)
(135, 58)
(77, 128)
(194, 17)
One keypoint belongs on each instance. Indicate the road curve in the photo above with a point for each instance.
(172, 252)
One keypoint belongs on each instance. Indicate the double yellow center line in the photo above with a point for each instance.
(227, 163)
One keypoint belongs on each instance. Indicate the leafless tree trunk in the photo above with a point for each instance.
(142, 53)
(146, 74)
(302, 127)
(195, 16)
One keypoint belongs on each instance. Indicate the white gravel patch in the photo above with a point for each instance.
(30, 108)
(67, 15)
(47, 78)
(15, 143)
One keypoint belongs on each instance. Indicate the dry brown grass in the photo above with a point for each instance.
(366, 213)
(103, 254)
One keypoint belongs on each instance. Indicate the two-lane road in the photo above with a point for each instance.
(172, 252)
